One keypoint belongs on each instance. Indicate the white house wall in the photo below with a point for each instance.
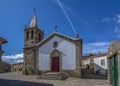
(87, 61)
(97, 65)
(67, 48)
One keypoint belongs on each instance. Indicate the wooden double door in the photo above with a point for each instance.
(55, 64)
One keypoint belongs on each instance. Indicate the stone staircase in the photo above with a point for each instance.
(55, 76)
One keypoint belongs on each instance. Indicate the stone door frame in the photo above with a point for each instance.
(56, 53)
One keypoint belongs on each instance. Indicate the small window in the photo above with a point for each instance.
(55, 44)
(102, 62)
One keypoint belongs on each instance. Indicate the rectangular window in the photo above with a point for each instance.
(55, 44)
(103, 62)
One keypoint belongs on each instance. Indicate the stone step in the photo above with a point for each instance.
(54, 76)
(63, 76)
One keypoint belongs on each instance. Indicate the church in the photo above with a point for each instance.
(55, 53)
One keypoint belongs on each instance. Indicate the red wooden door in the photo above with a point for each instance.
(55, 64)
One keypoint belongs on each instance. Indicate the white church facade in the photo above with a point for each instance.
(56, 53)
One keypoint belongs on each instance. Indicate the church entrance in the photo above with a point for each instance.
(55, 64)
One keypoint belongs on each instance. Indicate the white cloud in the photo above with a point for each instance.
(106, 20)
(13, 58)
(96, 44)
(116, 22)
(117, 29)
(95, 47)
(18, 61)
(117, 19)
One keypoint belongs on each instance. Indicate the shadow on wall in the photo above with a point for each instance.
(97, 74)
(100, 70)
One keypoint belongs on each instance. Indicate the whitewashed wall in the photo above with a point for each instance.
(67, 48)
(98, 66)
(87, 61)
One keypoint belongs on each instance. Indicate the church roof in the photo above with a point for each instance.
(58, 35)
(3, 40)
(33, 22)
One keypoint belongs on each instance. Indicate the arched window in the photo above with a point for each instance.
(32, 34)
(27, 37)
(55, 44)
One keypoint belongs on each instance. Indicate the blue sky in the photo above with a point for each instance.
(96, 21)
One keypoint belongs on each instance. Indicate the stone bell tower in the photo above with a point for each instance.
(32, 35)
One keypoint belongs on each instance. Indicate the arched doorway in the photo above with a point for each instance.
(55, 61)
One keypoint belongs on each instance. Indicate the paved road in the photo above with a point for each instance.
(69, 82)
(86, 74)
(5, 82)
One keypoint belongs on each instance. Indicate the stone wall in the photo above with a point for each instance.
(4, 67)
(113, 50)
(17, 67)
(29, 61)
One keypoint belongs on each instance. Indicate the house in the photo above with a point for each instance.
(100, 64)
(56, 53)
(114, 63)
(2, 41)
(87, 63)
(96, 63)
(4, 67)
(17, 67)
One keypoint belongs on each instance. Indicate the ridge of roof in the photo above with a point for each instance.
(57, 34)
(100, 55)
(95, 56)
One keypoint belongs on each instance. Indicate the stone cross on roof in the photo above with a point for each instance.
(55, 28)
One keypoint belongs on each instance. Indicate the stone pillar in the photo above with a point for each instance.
(24, 70)
(78, 57)
(37, 70)
(118, 67)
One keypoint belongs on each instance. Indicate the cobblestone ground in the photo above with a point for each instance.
(68, 82)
